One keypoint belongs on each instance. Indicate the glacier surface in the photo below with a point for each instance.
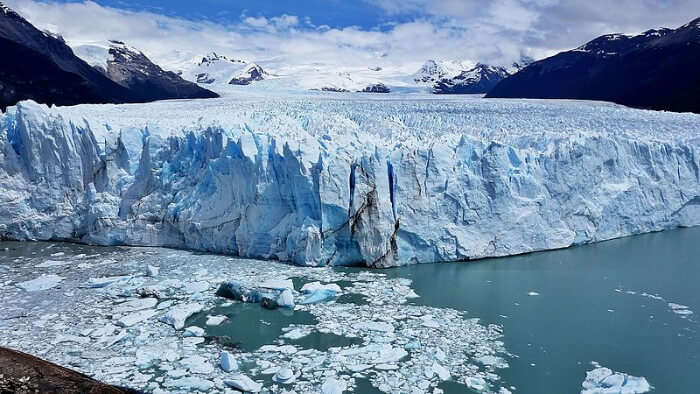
(347, 179)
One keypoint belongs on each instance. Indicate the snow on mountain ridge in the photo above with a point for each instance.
(380, 182)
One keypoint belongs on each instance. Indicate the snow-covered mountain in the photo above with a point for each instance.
(132, 69)
(480, 79)
(347, 181)
(433, 71)
(248, 75)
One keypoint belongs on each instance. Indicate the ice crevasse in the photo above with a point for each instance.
(347, 182)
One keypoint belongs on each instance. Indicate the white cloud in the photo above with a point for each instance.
(498, 31)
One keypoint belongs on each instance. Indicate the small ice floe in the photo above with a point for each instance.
(57, 254)
(374, 326)
(215, 320)
(277, 284)
(333, 386)
(97, 283)
(136, 317)
(533, 293)
(176, 316)
(271, 294)
(442, 372)
(315, 292)
(135, 305)
(227, 362)
(193, 331)
(195, 287)
(52, 263)
(297, 333)
(603, 380)
(197, 365)
(190, 383)
(429, 321)
(681, 310)
(152, 270)
(243, 383)
(284, 375)
(286, 299)
(44, 282)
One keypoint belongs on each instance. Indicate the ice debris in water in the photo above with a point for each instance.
(315, 292)
(44, 282)
(227, 362)
(603, 380)
(176, 317)
(243, 383)
(134, 331)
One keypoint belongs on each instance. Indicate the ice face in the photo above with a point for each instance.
(315, 181)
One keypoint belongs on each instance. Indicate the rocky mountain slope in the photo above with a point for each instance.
(657, 69)
(133, 70)
(41, 66)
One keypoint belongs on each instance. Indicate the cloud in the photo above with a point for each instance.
(498, 31)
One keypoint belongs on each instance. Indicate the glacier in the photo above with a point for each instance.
(347, 179)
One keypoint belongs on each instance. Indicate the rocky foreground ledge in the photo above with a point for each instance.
(21, 373)
(379, 183)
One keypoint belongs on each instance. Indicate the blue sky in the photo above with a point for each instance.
(334, 13)
(386, 33)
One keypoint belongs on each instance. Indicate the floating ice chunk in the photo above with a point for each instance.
(243, 383)
(190, 383)
(442, 372)
(63, 338)
(44, 282)
(135, 305)
(286, 299)
(493, 361)
(603, 380)
(412, 346)
(285, 349)
(277, 284)
(57, 254)
(681, 310)
(136, 317)
(297, 333)
(314, 286)
(152, 270)
(318, 296)
(374, 326)
(106, 281)
(193, 331)
(52, 263)
(533, 293)
(333, 386)
(388, 355)
(227, 362)
(195, 287)
(284, 376)
(176, 317)
(197, 364)
(429, 321)
(215, 320)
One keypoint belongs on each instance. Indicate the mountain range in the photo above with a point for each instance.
(41, 66)
(657, 69)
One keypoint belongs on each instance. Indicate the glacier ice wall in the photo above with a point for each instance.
(345, 183)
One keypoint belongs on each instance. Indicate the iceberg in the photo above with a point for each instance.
(352, 181)
(603, 380)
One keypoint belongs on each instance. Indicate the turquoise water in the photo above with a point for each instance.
(582, 312)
